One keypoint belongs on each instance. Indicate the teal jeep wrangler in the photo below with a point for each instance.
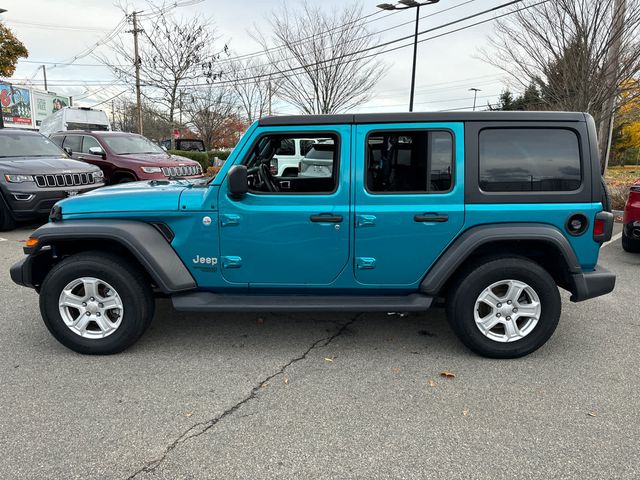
(490, 211)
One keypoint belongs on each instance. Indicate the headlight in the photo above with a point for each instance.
(151, 169)
(98, 176)
(18, 178)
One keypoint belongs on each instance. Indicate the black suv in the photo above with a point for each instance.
(35, 174)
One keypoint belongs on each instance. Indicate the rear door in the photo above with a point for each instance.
(409, 199)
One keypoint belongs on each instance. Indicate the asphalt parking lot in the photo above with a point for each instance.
(321, 396)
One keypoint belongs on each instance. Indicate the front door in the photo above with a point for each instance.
(409, 202)
(288, 231)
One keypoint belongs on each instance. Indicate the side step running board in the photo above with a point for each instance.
(216, 302)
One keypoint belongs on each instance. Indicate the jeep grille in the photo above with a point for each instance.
(64, 180)
(182, 171)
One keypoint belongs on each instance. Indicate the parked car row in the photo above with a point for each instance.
(36, 171)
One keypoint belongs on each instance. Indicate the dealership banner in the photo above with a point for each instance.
(44, 104)
(16, 106)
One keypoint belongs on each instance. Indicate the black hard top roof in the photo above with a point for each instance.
(365, 118)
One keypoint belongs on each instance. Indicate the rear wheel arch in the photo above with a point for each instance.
(543, 244)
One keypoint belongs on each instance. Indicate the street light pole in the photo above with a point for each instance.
(404, 5)
(475, 96)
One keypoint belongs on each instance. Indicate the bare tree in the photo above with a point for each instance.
(210, 109)
(563, 47)
(172, 53)
(316, 60)
(253, 87)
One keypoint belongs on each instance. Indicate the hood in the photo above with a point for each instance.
(153, 195)
(37, 166)
(161, 160)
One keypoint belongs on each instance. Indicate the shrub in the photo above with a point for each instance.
(201, 157)
(221, 154)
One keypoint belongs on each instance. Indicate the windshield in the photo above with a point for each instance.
(126, 144)
(23, 144)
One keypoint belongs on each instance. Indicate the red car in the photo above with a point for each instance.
(631, 220)
(125, 157)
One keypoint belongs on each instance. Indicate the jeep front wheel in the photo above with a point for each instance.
(504, 308)
(96, 303)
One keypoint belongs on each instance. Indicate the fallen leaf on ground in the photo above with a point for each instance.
(447, 374)
(465, 412)
(188, 414)
(328, 359)
(264, 385)
(592, 414)
(395, 370)
(286, 380)
(431, 383)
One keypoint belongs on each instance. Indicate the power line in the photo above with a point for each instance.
(390, 42)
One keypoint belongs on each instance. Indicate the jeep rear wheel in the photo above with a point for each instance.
(96, 303)
(504, 308)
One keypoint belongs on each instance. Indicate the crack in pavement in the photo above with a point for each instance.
(202, 427)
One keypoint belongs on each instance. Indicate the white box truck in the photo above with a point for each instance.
(75, 118)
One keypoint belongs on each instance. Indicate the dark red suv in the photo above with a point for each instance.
(125, 157)
(631, 220)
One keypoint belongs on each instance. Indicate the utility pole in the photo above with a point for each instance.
(136, 61)
(44, 72)
(113, 113)
(475, 96)
(605, 133)
(269, 94)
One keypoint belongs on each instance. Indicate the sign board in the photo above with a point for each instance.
(176, 133)
(44, 104)
(16, 106)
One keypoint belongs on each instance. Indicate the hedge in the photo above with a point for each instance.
(205, 159)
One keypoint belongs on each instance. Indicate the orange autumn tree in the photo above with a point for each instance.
(627, 130)
(12, 49)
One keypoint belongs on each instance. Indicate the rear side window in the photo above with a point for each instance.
(529, 160)
(73, 142)
(57, 140)
(419, 161)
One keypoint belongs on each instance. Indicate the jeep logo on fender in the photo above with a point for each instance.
(205, 260)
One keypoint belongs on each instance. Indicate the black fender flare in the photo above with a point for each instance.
(144, 241)
(475, 237)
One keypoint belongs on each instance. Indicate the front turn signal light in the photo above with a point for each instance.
(31, 242)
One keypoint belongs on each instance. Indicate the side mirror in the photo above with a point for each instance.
(97, 151)
(68, 151)
(237, 181)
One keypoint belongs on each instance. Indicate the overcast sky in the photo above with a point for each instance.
(56, 31)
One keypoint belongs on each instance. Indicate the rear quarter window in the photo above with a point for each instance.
(529, 159)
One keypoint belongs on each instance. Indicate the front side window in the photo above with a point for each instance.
(89, 142)
(529, 160)
(318, 169)
(417, 161)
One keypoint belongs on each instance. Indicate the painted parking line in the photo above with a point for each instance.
(3, 239)
(613, 239)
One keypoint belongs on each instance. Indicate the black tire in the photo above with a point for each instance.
(473, 281)
(7, 222)
(629, 244)
(127, 279)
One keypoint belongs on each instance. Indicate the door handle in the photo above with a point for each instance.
(431, 218)
(326, 218)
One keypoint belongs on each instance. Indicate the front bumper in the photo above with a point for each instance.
(21, 272)
(592, 284)
(27, 201)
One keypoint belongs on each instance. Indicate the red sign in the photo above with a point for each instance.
(176, 133)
